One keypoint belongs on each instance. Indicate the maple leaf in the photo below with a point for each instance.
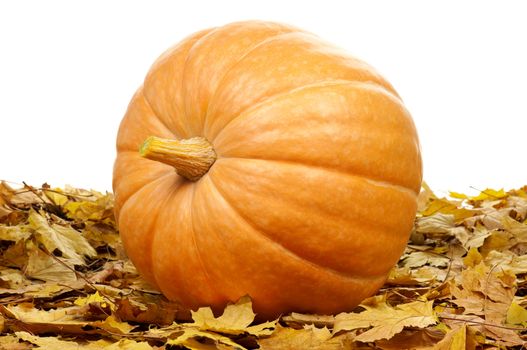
(88, 205)
(304, 319)
(406, 276)
(188, 337)
(306, 338)
(67, 240)
(436, 223)
(491, 194)
(467, 262)
(95, 298)
(457, 339)
(56, 196)
(113, 325)
(418, 259)
(385, 320)
(43, 267)
(55, 343)
(516, 315)
(14, 233)
(235, 319)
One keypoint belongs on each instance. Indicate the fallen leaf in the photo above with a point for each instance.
(235, 320)
(14, 233)
(113, 325)
(56, 343)
(92, 298)
(386, 321)
(418, 259)
(65, 280)
(12, 279)
(189, 336)
(49, 342)
(12, 342)
(516, 315)
(44, 267)
(423, 338)
(305, 319)
(491, 194)
(454, 340)
(68, 241)
(307, 338)
(435, 223)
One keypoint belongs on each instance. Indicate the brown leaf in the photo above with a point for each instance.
(411, 339)
(44, 267)
(307, 338)
(386, 321)
(298, 320)
(467, 262)
(155, 311)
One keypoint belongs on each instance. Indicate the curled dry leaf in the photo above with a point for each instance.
(65, 283)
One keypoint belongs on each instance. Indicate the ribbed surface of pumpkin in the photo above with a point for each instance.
(313, 194)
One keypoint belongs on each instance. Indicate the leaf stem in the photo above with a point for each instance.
(192, 158)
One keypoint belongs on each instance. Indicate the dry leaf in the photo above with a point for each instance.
(307, 338)
(516, 315)
(56, 343)
(386, 321)
(14, 233)
(235, 320)
(460, 284)
(454, 340)
(68, 241)
(189, 336)
(42, 266)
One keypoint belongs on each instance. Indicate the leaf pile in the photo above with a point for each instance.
(65, 283)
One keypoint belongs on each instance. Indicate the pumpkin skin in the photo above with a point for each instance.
(312, 197)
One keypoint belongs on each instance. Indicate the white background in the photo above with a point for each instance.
(69, 68)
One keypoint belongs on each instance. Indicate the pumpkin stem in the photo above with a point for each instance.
(191, 158)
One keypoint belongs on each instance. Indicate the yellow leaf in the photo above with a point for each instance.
(516, 315)
(56, 196)
(123, 344)
(386, 321)
(67, 240)
(435, 223)
(28, 314)
(307, 338)
(477, 238)
(473, 258)
(14, 233)
(457, 195)
(189, 335)
(235, 319)
(49, 342)
(418, 259)
(490, 194)
(43, 267)
(113, 325)
(448, 207)
(459, 339)
(407, 276)
(56, 343)
(92, 205)
(11, 342)
(94, 298)
(454, 340)
(12, 278)
(46, 290)
(507, 261)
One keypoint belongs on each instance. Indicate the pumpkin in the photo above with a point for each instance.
(257, 159)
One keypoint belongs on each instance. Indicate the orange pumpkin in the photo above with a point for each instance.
(275, 165)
